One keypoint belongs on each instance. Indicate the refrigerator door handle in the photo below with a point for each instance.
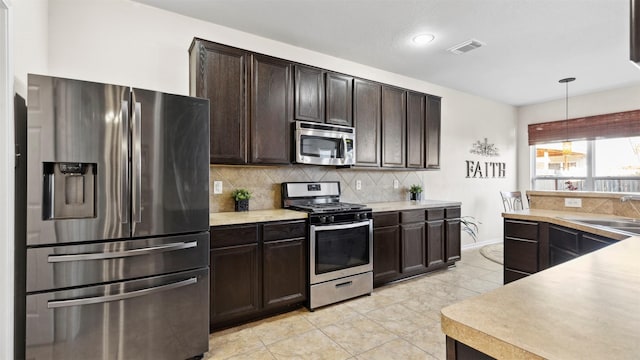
(137, 164)
(121, 254)
(124, 163)
(128, 295)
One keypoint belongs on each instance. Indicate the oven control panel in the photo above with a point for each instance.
(340, 217)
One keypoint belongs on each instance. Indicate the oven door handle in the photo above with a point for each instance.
(340, 226)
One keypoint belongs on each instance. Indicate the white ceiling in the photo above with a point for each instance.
(530, 44)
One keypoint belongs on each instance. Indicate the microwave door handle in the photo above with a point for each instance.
(344, 148)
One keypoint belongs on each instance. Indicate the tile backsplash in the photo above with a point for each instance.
(264, 183)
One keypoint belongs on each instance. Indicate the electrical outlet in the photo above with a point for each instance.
(572, 202)
(396, 183)
(358, 185)
(217, 187)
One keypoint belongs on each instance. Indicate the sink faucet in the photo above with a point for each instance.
(629, 197)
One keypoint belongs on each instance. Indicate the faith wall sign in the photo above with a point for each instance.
(485, 169)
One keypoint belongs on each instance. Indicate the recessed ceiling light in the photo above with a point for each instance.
(423, 39)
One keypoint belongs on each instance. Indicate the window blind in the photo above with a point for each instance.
(614, 125)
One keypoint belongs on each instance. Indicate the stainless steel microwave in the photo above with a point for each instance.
(324, 144)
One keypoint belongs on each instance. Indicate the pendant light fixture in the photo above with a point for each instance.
(566, 145)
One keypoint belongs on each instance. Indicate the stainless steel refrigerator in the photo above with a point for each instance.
(117, 242)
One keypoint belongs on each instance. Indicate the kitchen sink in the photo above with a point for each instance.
(631, 226)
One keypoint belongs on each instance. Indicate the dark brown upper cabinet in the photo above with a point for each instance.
(432, 135)
(271, 104)
(394, 120)
(251, 101)
(339, 99)
(219, 73)
(366, 120)
(416, 117)
(309, 94)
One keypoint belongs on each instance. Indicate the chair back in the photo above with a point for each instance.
(512, 200)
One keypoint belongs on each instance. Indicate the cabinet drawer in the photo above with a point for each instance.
(284, 230)
(222, 236)
(411, 216)
(521, 255)
(558, 256)
(434, 214)
(564, 238)
(385, 219)
(452, 212)
(521, 229)
(589, 243)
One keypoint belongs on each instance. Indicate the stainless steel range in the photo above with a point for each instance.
(340, 241)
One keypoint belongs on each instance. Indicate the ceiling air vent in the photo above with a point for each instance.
(466, 46)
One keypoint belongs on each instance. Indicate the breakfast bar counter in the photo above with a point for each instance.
(587, 308)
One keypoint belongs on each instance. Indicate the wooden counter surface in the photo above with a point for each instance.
(586, 308)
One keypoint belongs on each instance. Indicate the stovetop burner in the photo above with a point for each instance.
(322, 201)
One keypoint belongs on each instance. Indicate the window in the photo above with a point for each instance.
(611, 165)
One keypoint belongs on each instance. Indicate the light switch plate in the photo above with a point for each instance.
(396, 183)
(217, 187)
(358, 185)
(572, 202)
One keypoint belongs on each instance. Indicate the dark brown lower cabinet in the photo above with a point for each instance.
(452, 234)
(414, 252)
(409, 243)
(386, 247)
(256, 270)
(531, 246)
(284, 272)
(235, 282)
(460, 351)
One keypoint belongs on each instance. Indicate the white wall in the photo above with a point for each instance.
(122, 42)
(610, 101)
(31, 26)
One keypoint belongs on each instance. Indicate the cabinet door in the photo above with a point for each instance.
(366, 119)
(219, 73)
(339, 98)
(416, 105)
(452, 244)
(285, 272)
(309, 94)
(271, 108)
(394, 122)
(386, 254)
(435, 242)
(414, 251)
(235, 287)
(432, 136)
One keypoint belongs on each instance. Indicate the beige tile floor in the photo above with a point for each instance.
(398, 321)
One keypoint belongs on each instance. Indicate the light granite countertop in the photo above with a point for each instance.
(253, 216)
(410, 205)
(586, 308)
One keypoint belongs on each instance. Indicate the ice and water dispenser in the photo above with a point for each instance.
(69, 190)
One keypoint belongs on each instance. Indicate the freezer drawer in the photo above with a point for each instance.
(67, 266)
(161, 317)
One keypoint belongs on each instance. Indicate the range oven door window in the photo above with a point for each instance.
(341, 250)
